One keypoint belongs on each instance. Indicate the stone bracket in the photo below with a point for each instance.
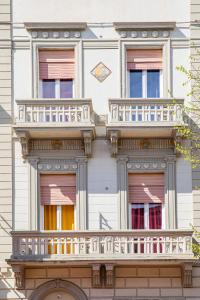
(102, 276)
(114, 136)
(187, 275)
(24, 141)
(19, 276)
(87, 138)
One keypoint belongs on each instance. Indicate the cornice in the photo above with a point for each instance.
(144, 25)
(57, 25)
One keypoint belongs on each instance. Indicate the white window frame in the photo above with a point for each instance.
(144, 84)
(59, 217)
(146, 216)
(57, 88)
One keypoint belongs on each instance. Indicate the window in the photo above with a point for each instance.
(146, 197)
(58, 198)
(145, 73)
(56, 70)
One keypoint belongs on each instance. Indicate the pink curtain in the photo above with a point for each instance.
(138, 216)
(155, 216)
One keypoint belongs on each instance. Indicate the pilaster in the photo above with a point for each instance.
(122, 190)
(81, 205)
(33, 194)
(171, 192)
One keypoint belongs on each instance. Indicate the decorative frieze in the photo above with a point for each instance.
(143, 144)
(57, 165)
(145, 34)
(55, 34)
(55, 144)
(146, 165)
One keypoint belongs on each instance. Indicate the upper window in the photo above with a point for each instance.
(56, 70)
(146, 197)
(145, 71)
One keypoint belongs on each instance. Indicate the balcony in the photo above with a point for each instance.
(54, 119)
(133, 246)
(145, 117)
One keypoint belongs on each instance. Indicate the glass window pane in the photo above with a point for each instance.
(66, 87)
(136, 84)
(48, 88)
(137, 216)
(155, 216)
(153, 83)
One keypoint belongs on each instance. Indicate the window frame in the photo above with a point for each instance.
(48, 45)
(57, 89)
(160, 43)
(146, 216)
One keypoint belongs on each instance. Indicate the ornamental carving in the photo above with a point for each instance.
(146, 165)
(57, 165)
(101, 72)
(55, 34)
(145, 34)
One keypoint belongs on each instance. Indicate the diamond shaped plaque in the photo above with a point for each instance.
(100, 72)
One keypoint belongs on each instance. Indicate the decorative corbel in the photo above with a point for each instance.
(96, 277)
(87, 137)
(114, 135)
(109, 275)
(187, 275)
(24, 140)
(19, 276)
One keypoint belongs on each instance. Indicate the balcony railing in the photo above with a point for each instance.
(55, 111)
(151, 111)
(90, 245)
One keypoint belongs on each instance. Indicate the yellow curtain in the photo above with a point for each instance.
(50, 217)
(67, 217)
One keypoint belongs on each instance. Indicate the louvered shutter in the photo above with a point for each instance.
(146, 188)
(144, 59)
(56, 64)
(57, 189)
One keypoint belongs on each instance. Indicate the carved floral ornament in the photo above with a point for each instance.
(145, 34)
(55, 34)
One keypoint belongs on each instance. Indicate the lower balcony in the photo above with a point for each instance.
(145, 117)
(130, 246)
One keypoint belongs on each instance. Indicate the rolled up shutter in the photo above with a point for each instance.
(56, 64)
(57, 189)
(146, 188)
(144, 59)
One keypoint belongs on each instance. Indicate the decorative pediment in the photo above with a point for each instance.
(55, 30)
(144, 29)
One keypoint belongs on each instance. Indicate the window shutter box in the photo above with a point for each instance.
(146, 188)
(56, 64)
(58, 189)
(144, 59)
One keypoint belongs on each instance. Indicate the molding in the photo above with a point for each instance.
(96, 44)
(109, 276)
(114, 135)
(96, 279)
(87, 137)
(19, 276)
(55, 144)
(144, 25)
(187, 275)
(55, 286)
(57, 25)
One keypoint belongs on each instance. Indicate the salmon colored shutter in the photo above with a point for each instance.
(144, 59)
(57, 189)
(146, 188)
(56, 64)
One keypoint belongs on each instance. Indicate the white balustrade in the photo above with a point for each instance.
(145, 110)
(102, 244)
(54, 111)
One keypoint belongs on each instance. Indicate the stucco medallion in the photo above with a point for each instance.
(100, 72)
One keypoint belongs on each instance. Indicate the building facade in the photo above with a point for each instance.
(95, 202)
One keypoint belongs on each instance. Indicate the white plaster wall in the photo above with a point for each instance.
(21, 190)
(179, 56)
(100, 92)
(184, 193)
(102, 188)
(22, 74)
(101, 10)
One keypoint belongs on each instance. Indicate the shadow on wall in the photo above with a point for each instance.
(103, 222)
(5, 118)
